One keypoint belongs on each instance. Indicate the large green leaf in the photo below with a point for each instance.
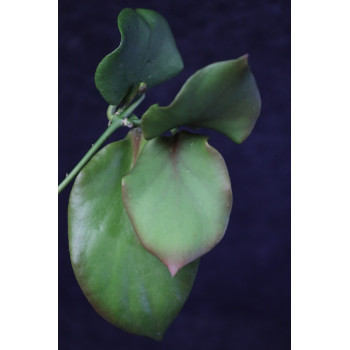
(147, 53)
(178, 197)
(222, 96)
(126, 284)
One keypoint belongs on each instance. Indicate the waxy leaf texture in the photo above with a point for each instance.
(222, 96)
(178, 197)
(147, 53)
(124, 283)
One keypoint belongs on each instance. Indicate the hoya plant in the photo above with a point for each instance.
(143, 210)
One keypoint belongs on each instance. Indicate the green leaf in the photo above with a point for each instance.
(178, 197)
(222, 96)
(125, 284)
(147, 53)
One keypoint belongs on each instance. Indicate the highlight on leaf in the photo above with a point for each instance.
(141, 213)
(124, 283)
(178, 198)
(222, 96)
(147, 53)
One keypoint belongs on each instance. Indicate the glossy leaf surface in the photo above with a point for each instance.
(147, 53)
(222, 96)
(179, 198)
(126, 284)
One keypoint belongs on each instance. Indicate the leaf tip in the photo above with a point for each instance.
(173, 268)
(244, 60)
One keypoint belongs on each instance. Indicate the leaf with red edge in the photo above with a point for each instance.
(124, 283)
(178, 198)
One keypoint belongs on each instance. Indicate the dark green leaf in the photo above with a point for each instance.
(125, 284)
(222, 96)
(147, 53)
(178, 197)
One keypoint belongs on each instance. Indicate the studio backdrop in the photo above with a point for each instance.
(241, 296)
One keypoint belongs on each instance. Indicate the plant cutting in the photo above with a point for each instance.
(145, 209)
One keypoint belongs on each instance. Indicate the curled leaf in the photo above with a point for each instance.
(178, 197)
(147, 53)
(222, 96)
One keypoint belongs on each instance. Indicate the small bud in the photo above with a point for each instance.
(127, 123)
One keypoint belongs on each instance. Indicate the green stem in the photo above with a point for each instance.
(116, 123)
(135, 93)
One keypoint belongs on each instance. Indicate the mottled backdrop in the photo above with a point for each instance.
(241, 297)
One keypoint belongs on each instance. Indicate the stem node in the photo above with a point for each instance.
(114, 123)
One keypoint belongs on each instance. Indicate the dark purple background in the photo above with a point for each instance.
(241, 297)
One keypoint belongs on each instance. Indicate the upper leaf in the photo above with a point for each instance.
(222, 96)
(178, 197)
(147, 53)
(126, 284)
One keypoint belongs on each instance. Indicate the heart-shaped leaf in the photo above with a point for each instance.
(126, 284)
(147, 53)
(178, 197)
(222, 96)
